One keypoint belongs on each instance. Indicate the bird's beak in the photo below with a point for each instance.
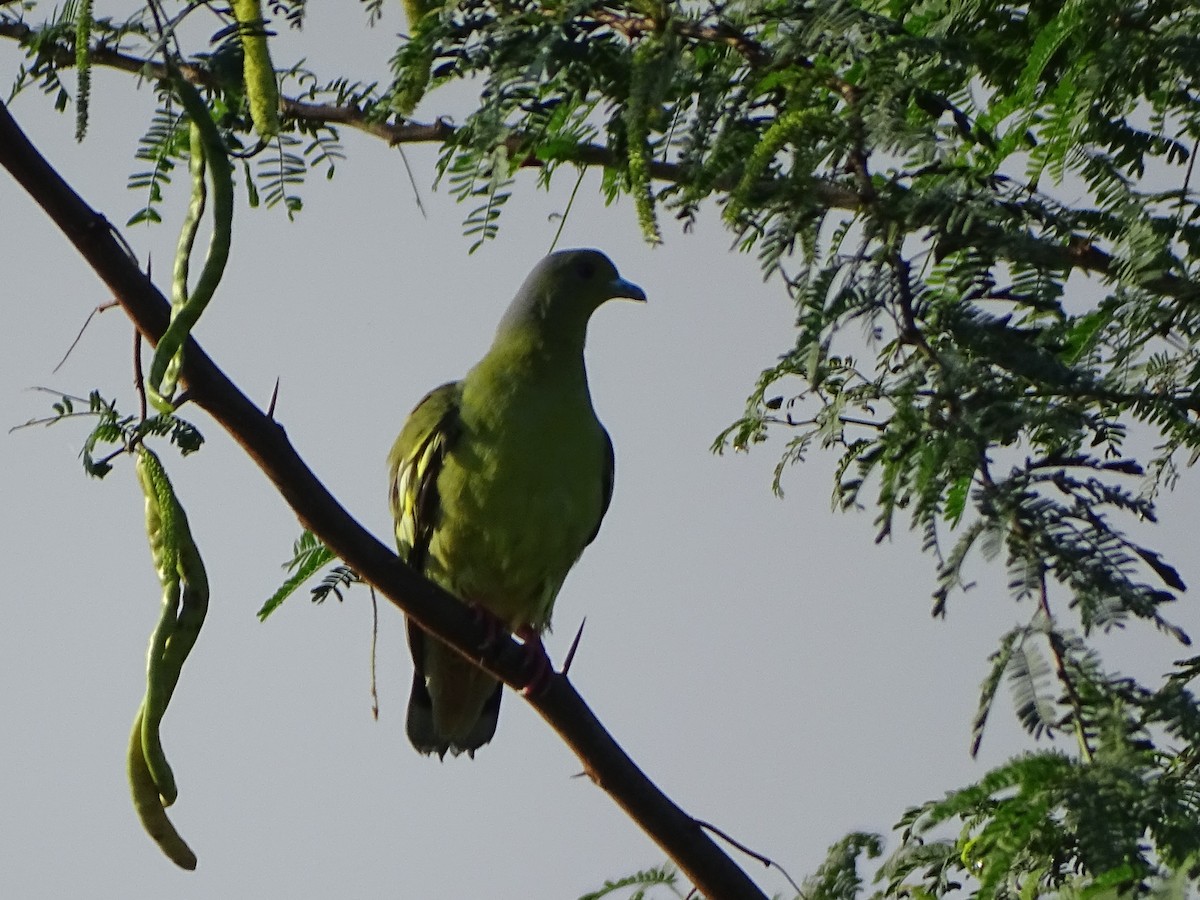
(628, 290)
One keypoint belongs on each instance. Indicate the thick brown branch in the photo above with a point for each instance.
(713, 872)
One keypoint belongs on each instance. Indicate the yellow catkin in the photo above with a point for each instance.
(414, 11)
(643, 99)
(262, 91)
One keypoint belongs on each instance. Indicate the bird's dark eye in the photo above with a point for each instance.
(585, 269)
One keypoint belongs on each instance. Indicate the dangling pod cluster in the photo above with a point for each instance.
(184, 605)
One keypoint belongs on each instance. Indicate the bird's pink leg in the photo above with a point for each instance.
(536, 660)
(494, 628)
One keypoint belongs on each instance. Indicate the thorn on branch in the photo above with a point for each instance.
(566, 667)
(274, 397)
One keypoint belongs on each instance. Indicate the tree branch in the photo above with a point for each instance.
(677, 833)
(1080, 253)
(63, 57)
(721, 33)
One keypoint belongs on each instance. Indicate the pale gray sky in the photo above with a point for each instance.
(770, 667)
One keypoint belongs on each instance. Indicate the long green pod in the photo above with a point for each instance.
(262, 90)
(159, 688)
(183, 252)
(162, 530)
(193, 603)
(221, 176)
(185, 605)
(148, 806)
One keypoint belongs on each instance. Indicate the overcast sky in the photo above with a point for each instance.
(776, 672)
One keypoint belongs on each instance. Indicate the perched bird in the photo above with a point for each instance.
(498, 482)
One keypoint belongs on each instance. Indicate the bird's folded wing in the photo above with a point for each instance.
(414, 464)
(606, 485)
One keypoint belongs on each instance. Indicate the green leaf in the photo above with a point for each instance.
(308, 556)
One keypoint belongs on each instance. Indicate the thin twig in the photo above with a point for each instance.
(765, 860)
(99, 309)
(412, 182)
(167, 31)
(374, 645)
(105, 460)
(42, 389)
(1060, 666)
(50, 420)
(139, 379)
(1187, 178)
(562, 219)
(752, 51)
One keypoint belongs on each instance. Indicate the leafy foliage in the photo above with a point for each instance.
(837, 878)
(309, 556)
(164, 142)
(123, 432)
(984, 215)
(638, 884)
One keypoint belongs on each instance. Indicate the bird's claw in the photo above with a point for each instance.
(537, 662)
(494, 630)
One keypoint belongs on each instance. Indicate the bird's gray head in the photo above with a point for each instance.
(563, 290)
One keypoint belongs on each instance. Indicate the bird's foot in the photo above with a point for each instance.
(536, 661)
(494, 629)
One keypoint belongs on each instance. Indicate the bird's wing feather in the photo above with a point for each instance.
(606, 485)
(414, 463)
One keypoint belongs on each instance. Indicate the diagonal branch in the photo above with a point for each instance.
(677, 833)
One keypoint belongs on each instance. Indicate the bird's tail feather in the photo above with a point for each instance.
(422, 725)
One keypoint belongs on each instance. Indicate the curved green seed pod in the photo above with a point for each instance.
(183, 252)
(159, 688)
(262, 91)
(149, 809)
(193, 608)
(185, 604)
(193, 603)
(162, 530)
(221, 177)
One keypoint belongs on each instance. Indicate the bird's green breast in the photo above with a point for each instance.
(522, 488)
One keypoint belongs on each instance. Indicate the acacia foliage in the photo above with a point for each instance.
(983, 213)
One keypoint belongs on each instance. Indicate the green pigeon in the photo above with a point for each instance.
(498, 482)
